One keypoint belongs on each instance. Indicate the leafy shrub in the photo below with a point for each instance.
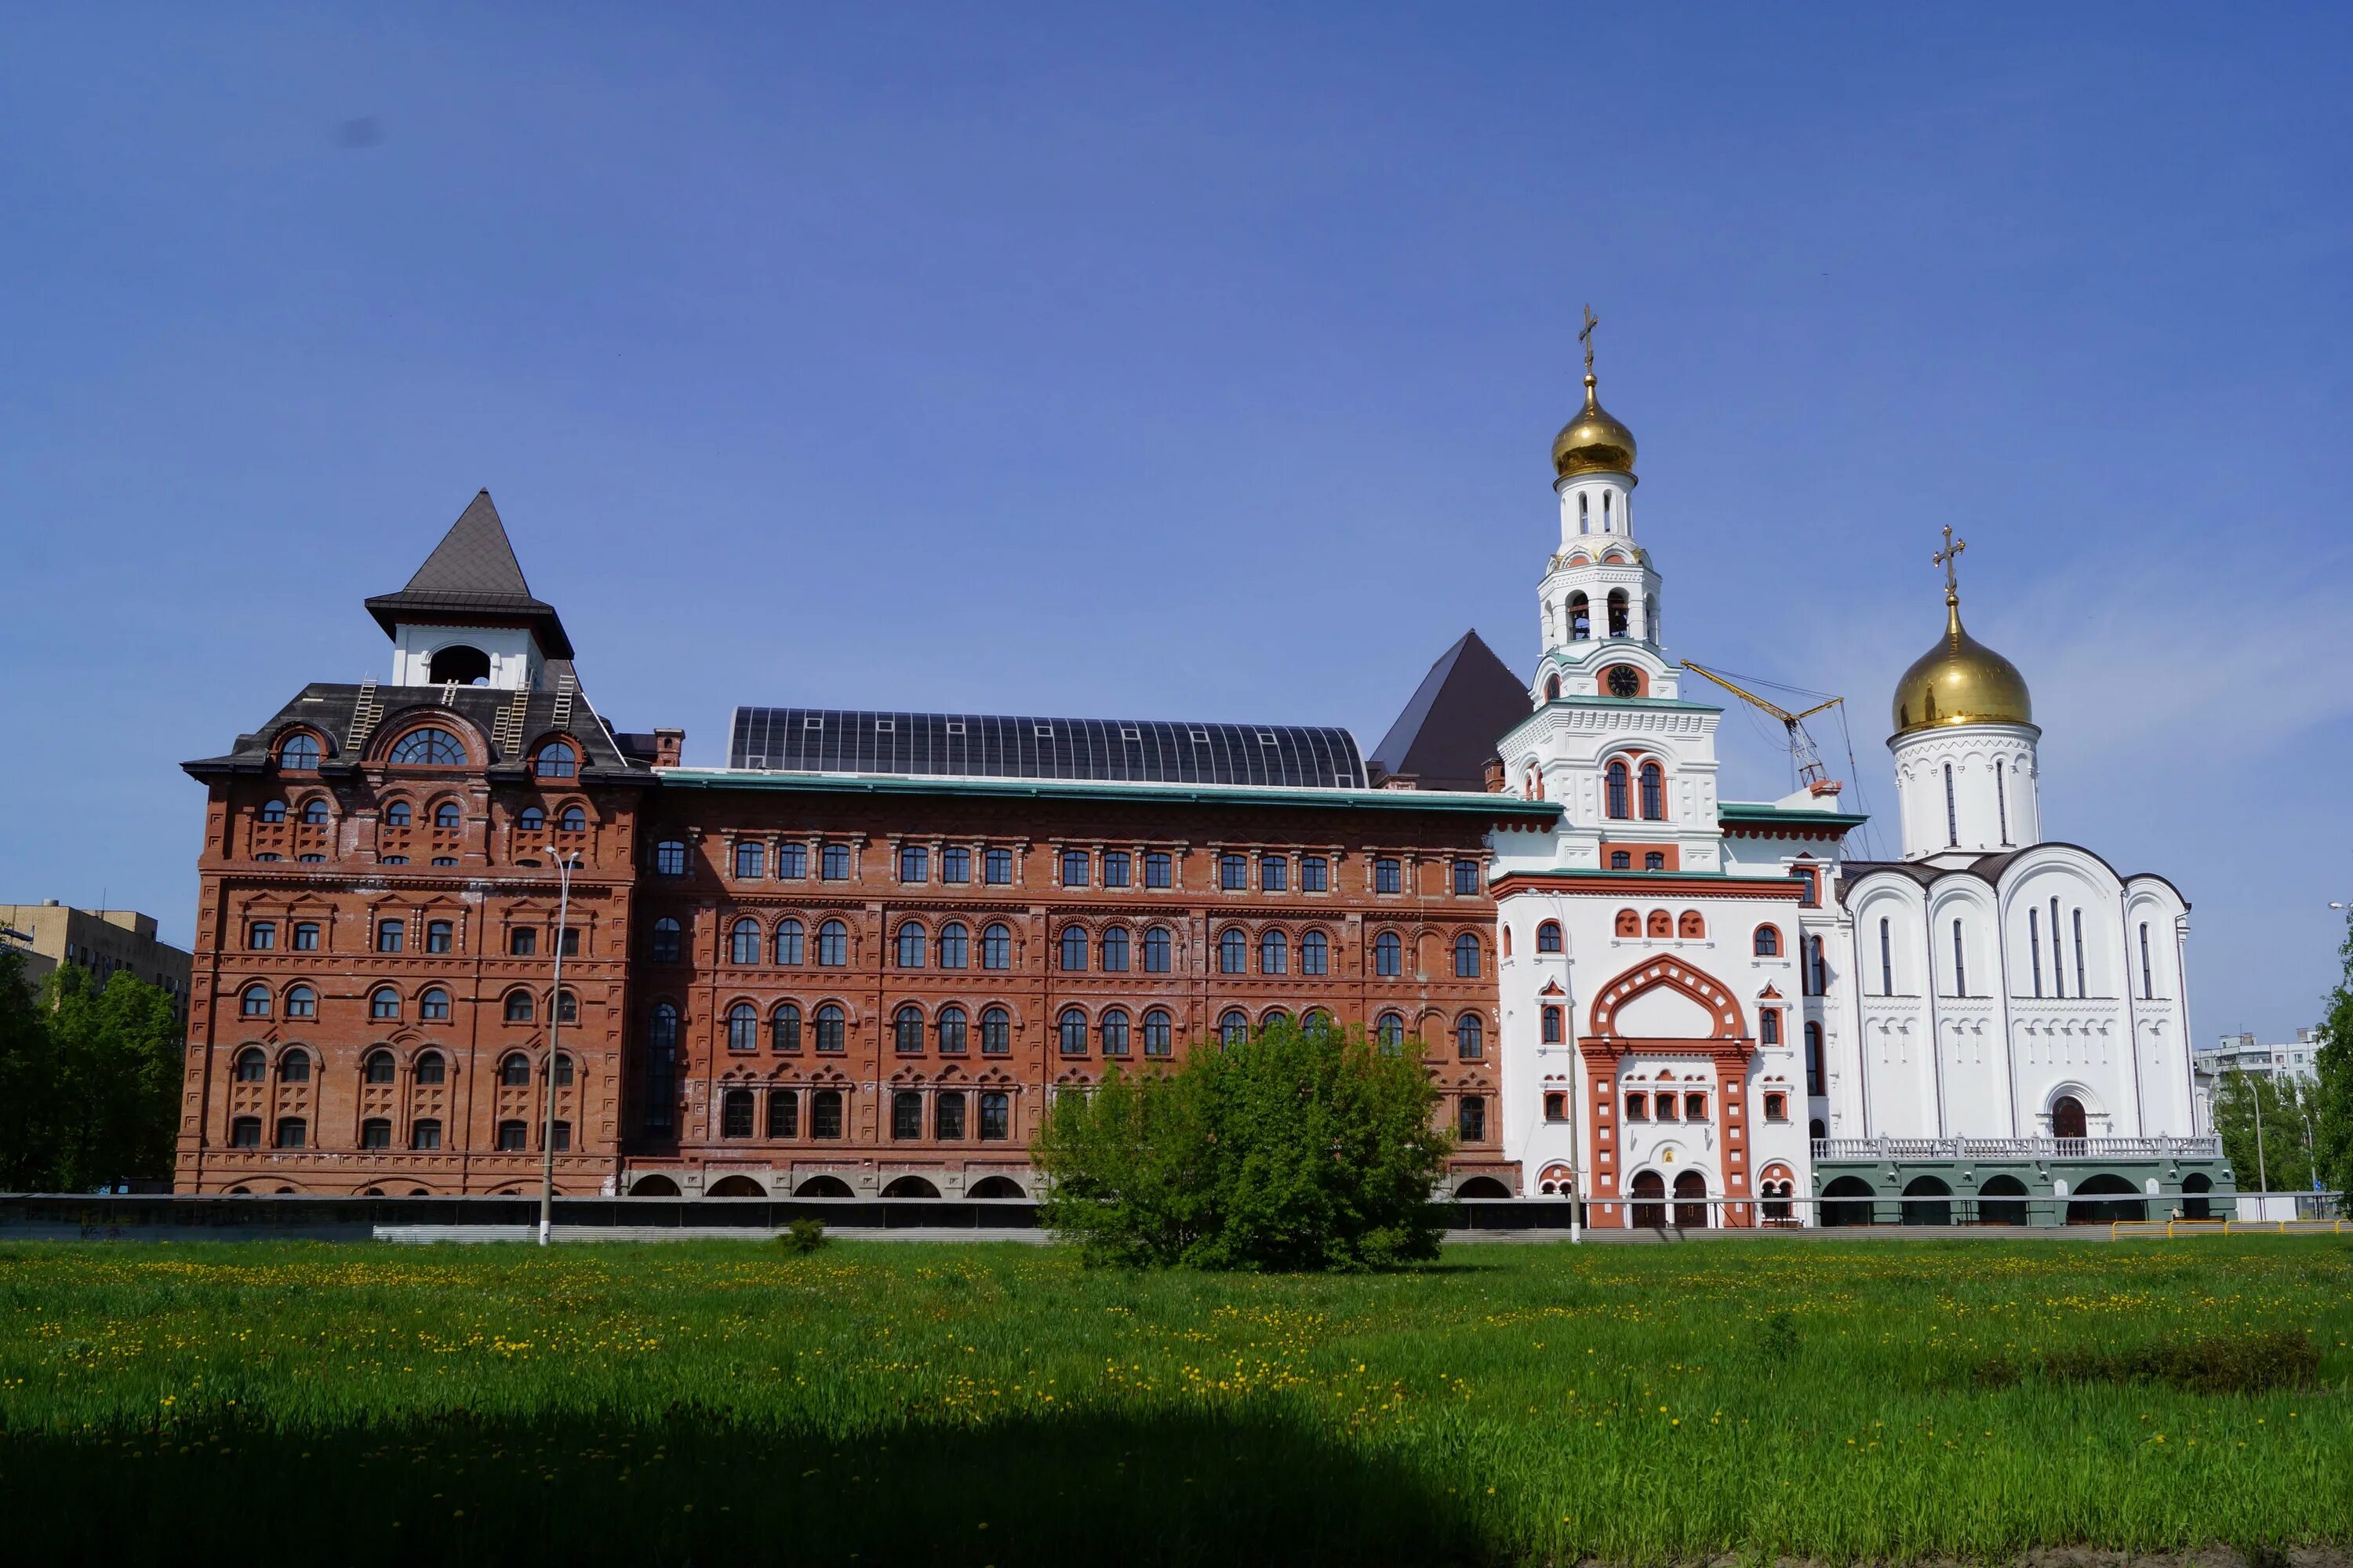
(2195, 1363)
(803, 1235)
(1294, 1149)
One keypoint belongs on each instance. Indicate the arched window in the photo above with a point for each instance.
(1113, 1031)
(1074, 949)
(1390, 1032)
(428, 747)
(514, 1071)
(736, 1114)
(1659, 924)
(1618, 603)
(298, 754)
(1767, 943)
(955, 946)
(1614, 781)
(1549, 937)
(1157, 950)
(302, 1001)
(907, 1030)
(1691, 926)
(832, 1034)
(1274, 953)
(293, 1132)
(1159, 1033)
(252, 1066)
(384, 1003)
(1654, 793)
(1115, 946)
(744, 941)
(431, 1068)
(661, 1069)
(1961, 962)
(1466, 957)
(665, 940)
(785, 1027)
(1768, 1027)
(2147, 992)
(1552, 688)
(1074, 1031)
(743, 1027)
(379, 1068)
(1233, 1026)
(556, 759)
(670, 858)
(1628, 924)
(790, 944)
(273, 811)
(294, 1068)
(1389, 954)
(376, 1132)
(1314, 953)
(951, 1031)
(1233, 951)
(1814, 1059)
(833, 944)
(574, 820)
(1818, 967)
(315, 811)
(254, 1002)
(447, 815)
(1952, 817)
(397, 814)
(996, 1032)
(520, 1006)
(912, 944)
(1887, 963)
(995, 948)
(2067, 1117)
(531, 820)
(1581, 613)
(1469, 1038)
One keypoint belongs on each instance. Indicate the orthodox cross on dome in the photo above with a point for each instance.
(1946, 558)
(1585, 337)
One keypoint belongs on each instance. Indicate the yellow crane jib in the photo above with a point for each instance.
(1802, 750)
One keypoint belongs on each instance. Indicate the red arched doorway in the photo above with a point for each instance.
(1649, 1187)
(2067, 1118)
(1690, 1200)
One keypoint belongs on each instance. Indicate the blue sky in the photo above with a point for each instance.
(1192, 363)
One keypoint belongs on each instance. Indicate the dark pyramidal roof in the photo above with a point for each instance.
(1466, 704)
(996, 745)
(473, 576)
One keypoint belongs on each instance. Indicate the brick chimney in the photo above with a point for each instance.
(669, 744)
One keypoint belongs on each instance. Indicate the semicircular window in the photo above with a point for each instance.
(298, 754)
(430, 748)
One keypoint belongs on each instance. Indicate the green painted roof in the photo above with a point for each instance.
(1765, 811)
(1574, 872)
(1453, 802)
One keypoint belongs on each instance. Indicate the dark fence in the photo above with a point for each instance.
(141, 1216)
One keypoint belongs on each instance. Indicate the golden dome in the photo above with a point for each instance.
(1960, 681)
(1593, 442)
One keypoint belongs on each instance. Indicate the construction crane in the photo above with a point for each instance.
(1811, 774)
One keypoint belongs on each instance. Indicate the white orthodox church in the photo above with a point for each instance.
(1711, 1015)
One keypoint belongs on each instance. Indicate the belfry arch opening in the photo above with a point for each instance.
(465, 664)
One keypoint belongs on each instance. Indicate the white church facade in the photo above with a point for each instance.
(1711, 1014)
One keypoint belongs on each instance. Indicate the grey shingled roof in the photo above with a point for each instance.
(328, 709)
(472, 575)
(1467, 703)
(998, 746)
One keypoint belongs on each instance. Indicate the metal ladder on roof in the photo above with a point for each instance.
(564, 686)
(507, 734)
(365, 712)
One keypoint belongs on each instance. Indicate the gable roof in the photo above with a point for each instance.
(1467, 703)
(473, 576)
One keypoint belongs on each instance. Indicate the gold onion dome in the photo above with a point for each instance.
(1960, 681)
(1593, 442)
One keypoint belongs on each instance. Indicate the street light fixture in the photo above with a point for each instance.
(563, 868)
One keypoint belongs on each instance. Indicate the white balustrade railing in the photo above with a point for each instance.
(2160, 1148)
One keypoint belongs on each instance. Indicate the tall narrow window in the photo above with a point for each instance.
(2058, 986)
(1820, 967)
(1654, 793)
(2146, 993)
(1952, 812)
(2034, 947)
(1584, 511)
(1960, 963)
(2001, 797)
(1886, 961)
(2081, 989)
(1616, 781)
(1813, 1058)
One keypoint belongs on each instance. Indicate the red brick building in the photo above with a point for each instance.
(858, 961)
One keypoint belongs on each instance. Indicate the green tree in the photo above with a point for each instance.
(2332, 1095)
(1295, 1147)
(118, 1052)
(2282, 1159)
(27, 1083)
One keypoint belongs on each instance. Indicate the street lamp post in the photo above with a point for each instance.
(554, 1034)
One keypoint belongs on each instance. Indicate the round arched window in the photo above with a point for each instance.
(299, 753)
(428, 747)
(556, 759)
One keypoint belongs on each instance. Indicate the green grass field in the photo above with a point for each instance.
(999, 1404)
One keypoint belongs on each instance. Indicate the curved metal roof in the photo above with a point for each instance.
(998, 746)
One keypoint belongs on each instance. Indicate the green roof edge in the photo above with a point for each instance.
(1099, 790)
